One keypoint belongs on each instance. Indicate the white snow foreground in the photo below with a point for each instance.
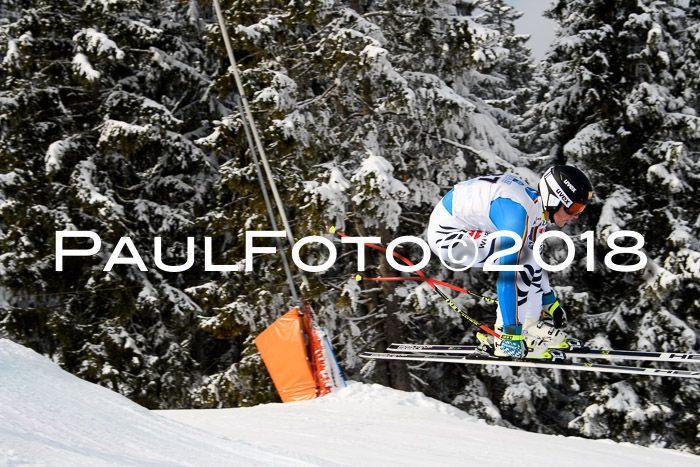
(50, 417)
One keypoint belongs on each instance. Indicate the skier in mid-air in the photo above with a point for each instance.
(529, 315)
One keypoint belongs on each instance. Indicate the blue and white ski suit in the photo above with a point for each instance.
(460, 226)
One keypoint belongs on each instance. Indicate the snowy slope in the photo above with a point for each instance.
(49, 417)
(371, 425)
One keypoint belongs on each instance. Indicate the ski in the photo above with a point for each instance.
(567, 365)
(608, 354)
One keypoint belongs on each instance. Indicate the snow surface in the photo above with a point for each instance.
(50, 417)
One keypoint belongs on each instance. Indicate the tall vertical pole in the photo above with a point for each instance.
(268, 205)
(254, 130)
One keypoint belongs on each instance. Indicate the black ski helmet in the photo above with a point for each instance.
(567, 185)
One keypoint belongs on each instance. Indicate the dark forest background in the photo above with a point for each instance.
(120, 118)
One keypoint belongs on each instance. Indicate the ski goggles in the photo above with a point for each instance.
(575, 209)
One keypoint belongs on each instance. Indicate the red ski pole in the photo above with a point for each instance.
(432, 283)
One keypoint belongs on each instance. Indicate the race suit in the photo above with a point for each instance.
(460, 226)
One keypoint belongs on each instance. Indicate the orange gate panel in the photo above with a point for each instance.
(283, 350)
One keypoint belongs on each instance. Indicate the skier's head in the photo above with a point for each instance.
(565, 185)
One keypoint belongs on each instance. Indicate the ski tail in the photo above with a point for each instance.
(543, 364)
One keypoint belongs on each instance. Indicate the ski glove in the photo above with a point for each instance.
(552, 309)
(512, 342)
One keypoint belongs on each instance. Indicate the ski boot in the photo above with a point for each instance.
(537, 347)
(553, 337)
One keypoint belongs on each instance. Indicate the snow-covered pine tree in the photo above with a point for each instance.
(505, 81)
(100, 104)
(616, 99)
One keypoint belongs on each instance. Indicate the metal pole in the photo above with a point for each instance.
(254, 130)
(273, 222)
